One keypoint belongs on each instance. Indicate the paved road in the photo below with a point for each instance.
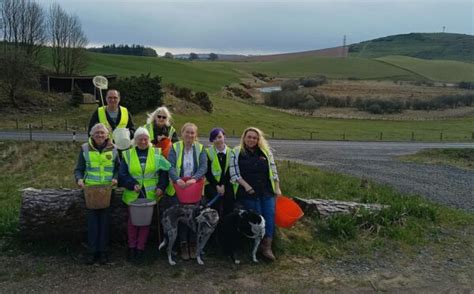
(374, 160)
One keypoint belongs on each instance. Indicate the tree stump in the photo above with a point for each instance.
(326, 208)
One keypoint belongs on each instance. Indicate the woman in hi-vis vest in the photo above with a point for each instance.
(98, 165)
(253, 168)
(143, 174)
(162, 133)
(188, 159)
(218, 176)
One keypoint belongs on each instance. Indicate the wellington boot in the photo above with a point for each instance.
(192, 250)
(184, 251)
(267, 249)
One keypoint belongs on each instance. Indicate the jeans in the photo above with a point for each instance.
(97, 230)
(264, 205)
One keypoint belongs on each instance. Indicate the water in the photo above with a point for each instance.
(269, 89)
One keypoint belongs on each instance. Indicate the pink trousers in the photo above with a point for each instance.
(137, 236)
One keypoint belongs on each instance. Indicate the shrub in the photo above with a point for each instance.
(290, 85)
(313, 82)
(77, 97)
(202, 99)
(139, 93)
(466, 85)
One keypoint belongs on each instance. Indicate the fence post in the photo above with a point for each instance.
(74, 136)
(381, 136)
(65, 123)
(344, 136)
(16, 123)
(472, 136)
(31, 132)
(441, 136)
(413, 136)
(42, 123)
(233, 133)
(273, 134)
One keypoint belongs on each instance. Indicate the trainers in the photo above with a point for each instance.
(139, 255)
(131, 254)
(184, 251)
(103, 258)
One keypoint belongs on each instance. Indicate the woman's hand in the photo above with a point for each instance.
(220, 189)
(160, 137)
(80, 183)
(277, 191)
(250, 190)
(159, 192)
(181, 183)
(190, 182)
(136, 188)
(114, 182)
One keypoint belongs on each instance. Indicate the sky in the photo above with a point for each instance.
(261, 27)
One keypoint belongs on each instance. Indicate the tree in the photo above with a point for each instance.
(213, 56)
(193, 56)
(68, 42)
(18, 71)
(169, 55)
(22, 23)
(77, 97)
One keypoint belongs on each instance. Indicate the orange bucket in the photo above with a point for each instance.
(287, 212)
(165, 145)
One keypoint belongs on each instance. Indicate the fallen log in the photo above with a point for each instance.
(326, 208)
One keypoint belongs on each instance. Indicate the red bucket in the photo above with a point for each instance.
(287, 212)
(191, 194)
(165, 145)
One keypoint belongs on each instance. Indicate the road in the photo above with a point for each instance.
(374, 160)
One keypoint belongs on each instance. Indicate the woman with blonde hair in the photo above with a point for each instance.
(253, 168)
(188, 161)
(158, 125)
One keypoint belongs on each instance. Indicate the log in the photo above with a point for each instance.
(326, 208)
(60, 214)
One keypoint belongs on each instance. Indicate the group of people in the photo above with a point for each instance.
(244, 176)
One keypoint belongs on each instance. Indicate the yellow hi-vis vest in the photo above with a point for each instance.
(147, 177)
(99, 165)
(270, 172)
(216, 169)
(123, 117)
(149, 128)
(179, 150)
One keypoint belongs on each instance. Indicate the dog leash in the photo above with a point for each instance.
(213, 200)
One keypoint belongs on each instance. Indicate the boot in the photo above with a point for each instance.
(184, 251)
(192, 250)
(266, 246)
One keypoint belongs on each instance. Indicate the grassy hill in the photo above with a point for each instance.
(435, 70)
(419, 45)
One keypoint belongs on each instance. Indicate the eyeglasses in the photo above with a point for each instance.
(160, 116)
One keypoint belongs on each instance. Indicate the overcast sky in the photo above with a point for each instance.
(257, 27)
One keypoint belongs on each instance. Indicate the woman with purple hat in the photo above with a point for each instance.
(218, 177)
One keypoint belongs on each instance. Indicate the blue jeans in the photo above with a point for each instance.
(97, 230)
(264, 205)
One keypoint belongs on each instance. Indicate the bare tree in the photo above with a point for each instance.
(68, 42)
(23, 26)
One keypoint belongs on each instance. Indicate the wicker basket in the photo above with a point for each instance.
(97, 197)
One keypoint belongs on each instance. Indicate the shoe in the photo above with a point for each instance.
(92, 258)
(266, 246)
(184, 251)
(139, 255)
(192, 250)
(131, 254)
(103, 258)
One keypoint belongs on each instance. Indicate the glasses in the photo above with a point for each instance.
(160, 116)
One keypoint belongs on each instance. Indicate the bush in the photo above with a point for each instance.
(139, 93)
(313, 82)
(77, 97)
(466, 85)
(202, 99)
(290, 85)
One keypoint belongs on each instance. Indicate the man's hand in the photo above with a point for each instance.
(159, 192)
(114, 182)
(181, 183)
(220, 189)
(136, 188)
(80, 183)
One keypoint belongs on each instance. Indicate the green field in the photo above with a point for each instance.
(435, 70)
(462, 158)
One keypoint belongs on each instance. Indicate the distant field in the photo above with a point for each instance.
(435, 70)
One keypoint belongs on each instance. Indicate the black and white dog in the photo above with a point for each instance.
(241, 222)
(202, 220)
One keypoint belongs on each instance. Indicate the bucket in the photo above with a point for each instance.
(287, 212)
(141, 211)
(191, 194)
(165, 145)
(97, 197)
(121, 138)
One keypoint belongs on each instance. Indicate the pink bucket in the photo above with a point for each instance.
(191, 194)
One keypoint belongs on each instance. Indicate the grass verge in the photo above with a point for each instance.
(462, 158)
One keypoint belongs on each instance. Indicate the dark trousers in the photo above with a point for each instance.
(97, 230)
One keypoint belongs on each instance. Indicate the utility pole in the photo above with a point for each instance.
(344, 51)
(444, 29)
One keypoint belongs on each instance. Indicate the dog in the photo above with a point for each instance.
(240, 222)
(202, 220)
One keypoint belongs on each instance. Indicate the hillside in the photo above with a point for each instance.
(420, 45)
